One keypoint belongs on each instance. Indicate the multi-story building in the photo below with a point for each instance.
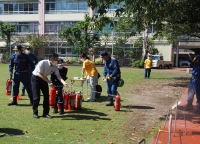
(44, 17)
(48, 17)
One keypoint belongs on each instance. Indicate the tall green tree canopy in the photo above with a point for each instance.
(5, 32)
(171, 18)
(84, 34)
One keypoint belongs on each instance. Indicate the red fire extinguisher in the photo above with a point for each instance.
(78, 105)
(52, 98)
(117, 102)
(8, 87)
(65, 100)
(71, 101)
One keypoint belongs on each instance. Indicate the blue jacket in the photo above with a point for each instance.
(196, 66)
(63, 74)
(21, 63)
(111, 68)
(34, 60)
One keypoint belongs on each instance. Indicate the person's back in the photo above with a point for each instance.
(148, 63)
(90, 68)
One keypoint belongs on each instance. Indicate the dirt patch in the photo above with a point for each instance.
(150, 103)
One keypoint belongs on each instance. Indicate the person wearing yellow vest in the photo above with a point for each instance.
(147, 67)
(92, 72)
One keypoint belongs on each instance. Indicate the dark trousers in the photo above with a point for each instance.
(112, 88)
(37, 85)
(147, 72)
(21, 77)
(59, 97)
(30, 70)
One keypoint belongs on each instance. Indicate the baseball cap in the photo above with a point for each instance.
(18, 47)
(104, 53)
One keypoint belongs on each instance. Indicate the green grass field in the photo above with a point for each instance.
(94, 124)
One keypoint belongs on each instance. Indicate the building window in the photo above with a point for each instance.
(19, 7)
(54, 27)
(26, 27)
(65, 6)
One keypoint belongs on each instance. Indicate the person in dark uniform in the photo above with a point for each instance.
(21, 62)
(191, 92)
(40, 81)
(196, 81)
(111, 68)
(59, 98)
(30, 70)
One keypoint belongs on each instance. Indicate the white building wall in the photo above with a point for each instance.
(165, 50)
(64, 17)
(19, 18)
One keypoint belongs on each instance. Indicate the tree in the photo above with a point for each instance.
(171, 18)
(150, 46)
(84, 34)
(5, 31)
(36, 41)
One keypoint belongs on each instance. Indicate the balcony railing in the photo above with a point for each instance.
(17, 12)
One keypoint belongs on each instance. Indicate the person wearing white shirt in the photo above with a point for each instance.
(40, 81)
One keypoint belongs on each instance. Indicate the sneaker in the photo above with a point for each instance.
(197, 111)
(188, 107)
(89, 100)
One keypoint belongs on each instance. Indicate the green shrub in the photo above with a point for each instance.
(138, 63)
(99, 62)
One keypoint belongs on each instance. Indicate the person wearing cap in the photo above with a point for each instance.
(40, 81)
(30, 70)
(92, 72)
(21, 63)
(111, 68)
(59, 86)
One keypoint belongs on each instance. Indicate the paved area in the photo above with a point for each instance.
(185, 126)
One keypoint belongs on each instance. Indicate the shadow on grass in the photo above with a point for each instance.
(83, 117)
(84, 114)
(137, 107)
(10, 132)
(87, 111)
(103, 98)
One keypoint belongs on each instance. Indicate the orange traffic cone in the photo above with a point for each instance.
(18, 97)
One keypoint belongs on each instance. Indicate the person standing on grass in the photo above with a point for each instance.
(21, 63)
(59, 90)
(30, 69)
(40, 82)
(92, 72)
(147, 67)
(111, 68)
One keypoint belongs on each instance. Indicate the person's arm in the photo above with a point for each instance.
(145, 64)
(41, 75)
(61, 80)
(35, 60)
(116, 68)
(52, 78)
(104, 71)
(11, 65)
(30, 62)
